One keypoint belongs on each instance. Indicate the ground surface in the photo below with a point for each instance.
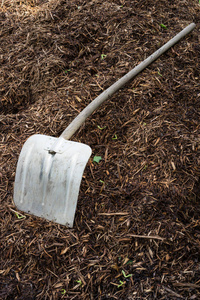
(137, 228)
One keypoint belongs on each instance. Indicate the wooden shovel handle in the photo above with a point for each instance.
(88, 110)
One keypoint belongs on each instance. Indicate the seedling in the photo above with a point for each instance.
(79, 282)
(103, 56)
(159, 74)
(124, 274)
(121, 283)
(101, 128)
(19, 216)
(97, 159)
(66, 71)
(63, 291)
(101, 181)
(115, 137)
(129, 262)
(163, 26)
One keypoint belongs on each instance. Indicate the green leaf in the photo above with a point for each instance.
(124, 274)
(103, 56)
(19, 216)
(163, 26)
(97, 159)
(79, 282)
(120, 283)
(129, 262)
(101, 128)
(63, 291)
(115, 137)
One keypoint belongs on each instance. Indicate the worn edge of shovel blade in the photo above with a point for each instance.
(48, 185)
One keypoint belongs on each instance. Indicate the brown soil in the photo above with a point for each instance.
(137, 228)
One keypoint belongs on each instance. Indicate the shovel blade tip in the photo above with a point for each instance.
(48, 185)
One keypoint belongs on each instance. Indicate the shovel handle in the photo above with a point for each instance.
(88, 110)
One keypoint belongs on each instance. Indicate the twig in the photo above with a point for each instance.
(114, 214)
(187, 284)
(154, 237)
(172, 292)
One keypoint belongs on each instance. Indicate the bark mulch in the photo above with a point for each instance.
(137, 228)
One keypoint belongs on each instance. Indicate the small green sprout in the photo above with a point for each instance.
(63, 291)
(121, 283)
(159, 74)
(145, 167)
(97, 159)
(101, 128)
(79, 282)
(163, 26)
(101, 181)
(115, 137)
(66, 71)
(20, 216)
(103, 56)
(124, 274)
(129, 262)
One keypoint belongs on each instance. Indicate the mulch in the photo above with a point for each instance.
(136, 233)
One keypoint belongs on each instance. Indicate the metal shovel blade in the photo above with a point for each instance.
(47, 185)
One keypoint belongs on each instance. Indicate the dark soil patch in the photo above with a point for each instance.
(137, 228)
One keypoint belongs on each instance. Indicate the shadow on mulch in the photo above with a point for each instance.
(137, 228)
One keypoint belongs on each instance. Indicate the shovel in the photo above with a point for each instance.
(49, 169)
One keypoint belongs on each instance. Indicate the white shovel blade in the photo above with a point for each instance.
(47, 185)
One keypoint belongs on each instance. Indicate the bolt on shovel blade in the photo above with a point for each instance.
(47, 185)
